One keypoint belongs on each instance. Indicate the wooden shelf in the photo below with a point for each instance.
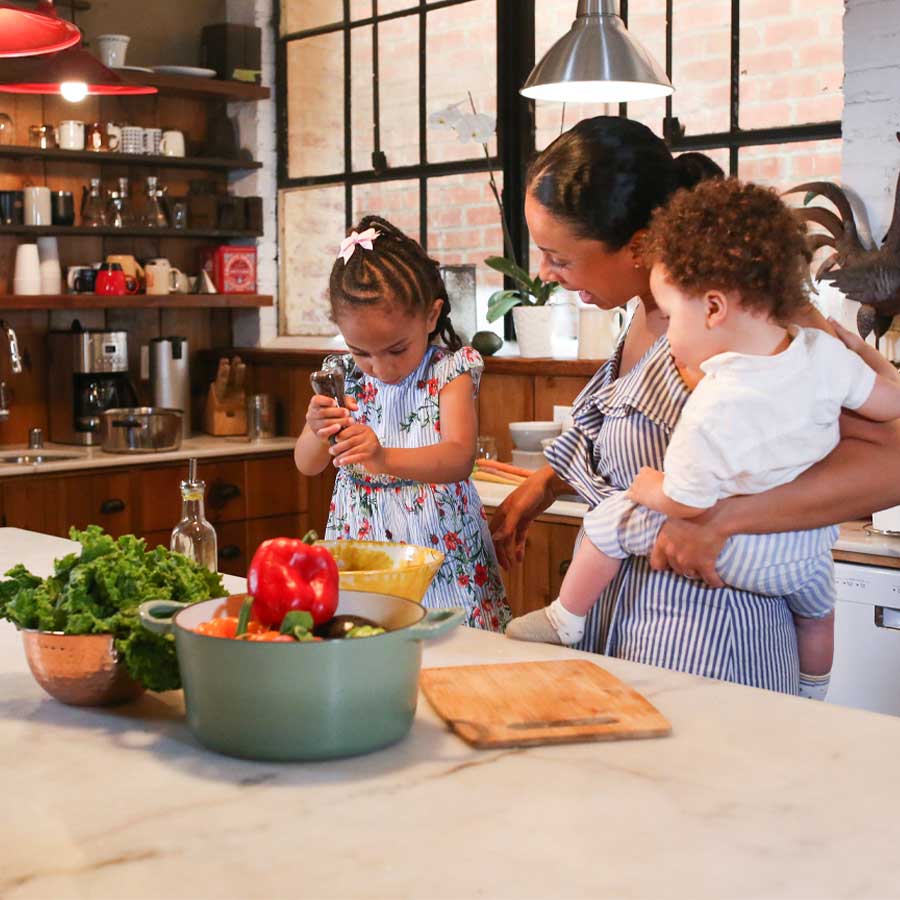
(84, 231)
(191, 86)
(112, 158)
(134, 301)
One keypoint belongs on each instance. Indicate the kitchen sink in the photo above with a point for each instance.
(31, 458)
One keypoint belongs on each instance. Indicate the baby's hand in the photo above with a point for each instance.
(325, 418)
(870, 356)
(646, 488)
(359, 444)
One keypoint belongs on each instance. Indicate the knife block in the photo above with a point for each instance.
(224, 418)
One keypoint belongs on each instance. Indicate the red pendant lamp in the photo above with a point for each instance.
(25, 32)
(75, 74)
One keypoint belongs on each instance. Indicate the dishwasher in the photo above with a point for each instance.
(866, 671)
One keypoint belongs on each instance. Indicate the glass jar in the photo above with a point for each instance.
(154, 214)
(486, 447)
(93, 212)
(118, 211)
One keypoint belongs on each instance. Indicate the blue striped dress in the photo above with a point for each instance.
(448, 517)
(660, 618)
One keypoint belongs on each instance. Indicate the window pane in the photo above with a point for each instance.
(792, 63)
(701, 64)
(464, 227)
(363, 140)
(396, 201)
(398, 54)
(647, 23)
(361, 9)
(462, 56)
(315, 73)
(783, 166)
(389, 6)
(312, 225)
(298, 15)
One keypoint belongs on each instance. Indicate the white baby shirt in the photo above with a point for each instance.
(755, 422)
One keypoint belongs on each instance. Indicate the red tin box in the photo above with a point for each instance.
(232, 268)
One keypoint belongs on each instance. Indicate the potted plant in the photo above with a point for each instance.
(529, 301)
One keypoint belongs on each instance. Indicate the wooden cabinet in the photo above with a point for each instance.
(503, 399)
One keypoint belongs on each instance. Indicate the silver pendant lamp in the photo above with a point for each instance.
(598, 61)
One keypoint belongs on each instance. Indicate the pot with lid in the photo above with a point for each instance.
(141, 429)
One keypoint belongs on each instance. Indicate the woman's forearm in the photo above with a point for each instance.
(861, 475)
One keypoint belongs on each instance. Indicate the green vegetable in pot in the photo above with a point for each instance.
(98, 591)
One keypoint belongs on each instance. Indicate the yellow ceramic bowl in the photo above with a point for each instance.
(398, 570)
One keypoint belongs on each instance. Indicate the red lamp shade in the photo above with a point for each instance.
(31, 33)
(72, 73)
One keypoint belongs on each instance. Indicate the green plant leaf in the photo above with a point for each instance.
(544, 290)
(501, 302)
(512, 270)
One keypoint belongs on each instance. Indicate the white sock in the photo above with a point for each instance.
(814, 687)
(569, 627)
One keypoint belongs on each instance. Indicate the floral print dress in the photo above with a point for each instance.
(448, 517)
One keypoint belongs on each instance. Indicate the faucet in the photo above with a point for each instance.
(16, 359)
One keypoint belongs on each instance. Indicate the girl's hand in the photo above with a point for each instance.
(359, 444)
(509, 524)
(870, 356)
(325, 418)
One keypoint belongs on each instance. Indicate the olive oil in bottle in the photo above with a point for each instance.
(193, 536)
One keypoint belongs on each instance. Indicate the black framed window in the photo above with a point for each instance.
(758, 87)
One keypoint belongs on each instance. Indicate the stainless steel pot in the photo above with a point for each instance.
(140, 429)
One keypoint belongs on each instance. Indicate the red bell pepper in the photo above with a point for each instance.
(287, 575)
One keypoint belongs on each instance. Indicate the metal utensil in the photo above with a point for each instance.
(329, 381)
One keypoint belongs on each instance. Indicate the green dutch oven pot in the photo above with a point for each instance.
(279, 701)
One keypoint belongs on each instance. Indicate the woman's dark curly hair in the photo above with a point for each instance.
(730, 235)
(398, 271)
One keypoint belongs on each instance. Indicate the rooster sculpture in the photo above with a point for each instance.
(871, 276)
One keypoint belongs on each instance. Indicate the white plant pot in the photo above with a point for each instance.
(534, 330)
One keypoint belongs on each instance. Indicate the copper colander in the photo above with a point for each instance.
(79, 669)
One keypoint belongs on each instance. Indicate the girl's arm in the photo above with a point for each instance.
(446, 462)
(323, 419)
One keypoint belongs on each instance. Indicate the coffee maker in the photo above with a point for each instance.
(92, 368)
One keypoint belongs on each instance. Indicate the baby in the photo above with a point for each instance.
(729, 263)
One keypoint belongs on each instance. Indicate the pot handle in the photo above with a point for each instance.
(435, 623)
(156, 615)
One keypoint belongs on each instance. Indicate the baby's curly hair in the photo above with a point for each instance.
(730, 235)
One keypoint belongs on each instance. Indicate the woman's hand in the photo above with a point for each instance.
(325, 418)
(359, 444)
(690, 548)
(510, 522)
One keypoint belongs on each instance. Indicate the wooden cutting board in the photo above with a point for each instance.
(526, 704)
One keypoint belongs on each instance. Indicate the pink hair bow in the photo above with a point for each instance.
(364, 240)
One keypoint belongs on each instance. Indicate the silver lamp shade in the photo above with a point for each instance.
(598, 61)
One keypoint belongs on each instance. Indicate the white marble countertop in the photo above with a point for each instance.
(755, 795)
(201, 446)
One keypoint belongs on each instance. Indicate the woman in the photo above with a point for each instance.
(590, 196)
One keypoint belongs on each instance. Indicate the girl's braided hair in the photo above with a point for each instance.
(397, 270)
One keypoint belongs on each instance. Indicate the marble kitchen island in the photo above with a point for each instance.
(754, 795)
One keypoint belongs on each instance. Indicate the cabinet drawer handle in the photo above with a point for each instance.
(229, 551)
(564, 567)
(885, 617)
(223, 492)
(109, 507)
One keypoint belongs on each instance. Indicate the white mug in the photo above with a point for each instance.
(37, 206)
(181, 283)
(27, 272)
(172, 143)
(70, 135)
(158, 276)
(114, 135)
(598, 330)
(111, 49)
(152, 138)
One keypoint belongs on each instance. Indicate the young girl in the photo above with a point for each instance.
(729, 262)
(405, 447)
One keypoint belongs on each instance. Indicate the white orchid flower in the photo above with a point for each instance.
(447, 117)
(476, 128)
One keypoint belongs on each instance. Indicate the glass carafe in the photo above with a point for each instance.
(193, 536)
(119, 208)
(154, 214)
(93, 212)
